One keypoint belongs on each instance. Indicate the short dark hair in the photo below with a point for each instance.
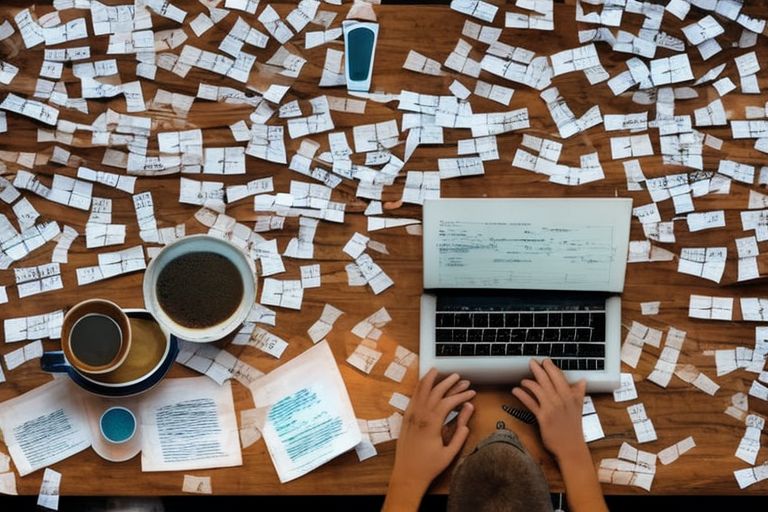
(497, 477)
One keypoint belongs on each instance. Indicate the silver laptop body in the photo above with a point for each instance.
(507, 280)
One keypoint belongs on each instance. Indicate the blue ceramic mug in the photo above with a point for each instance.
(153, 351)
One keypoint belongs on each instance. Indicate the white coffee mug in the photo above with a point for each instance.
(192, 244)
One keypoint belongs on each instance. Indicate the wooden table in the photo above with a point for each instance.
(677, 412)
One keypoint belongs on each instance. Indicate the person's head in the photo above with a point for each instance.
(499, 475)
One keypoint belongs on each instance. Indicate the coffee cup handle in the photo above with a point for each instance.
(54, 362)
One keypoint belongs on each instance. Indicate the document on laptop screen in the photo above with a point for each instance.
(544, 244)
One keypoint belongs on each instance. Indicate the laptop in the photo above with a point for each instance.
(508, 280)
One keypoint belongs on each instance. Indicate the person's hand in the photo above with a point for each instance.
(421, 454)
(557, 406)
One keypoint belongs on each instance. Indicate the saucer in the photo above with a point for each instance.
(94, 407)
(56, 362)
(148, 350)
(134, 389)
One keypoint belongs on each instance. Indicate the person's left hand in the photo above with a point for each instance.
(421, 453)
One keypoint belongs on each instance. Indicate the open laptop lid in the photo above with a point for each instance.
(541, 244)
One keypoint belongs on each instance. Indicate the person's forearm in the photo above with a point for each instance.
(403, 495)
(582, 489)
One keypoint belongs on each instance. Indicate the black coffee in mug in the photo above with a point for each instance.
(95, 339)
(199, 289)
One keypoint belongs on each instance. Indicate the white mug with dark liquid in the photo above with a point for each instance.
(95, 336)
(200, 288)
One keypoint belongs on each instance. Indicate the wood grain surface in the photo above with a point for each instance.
(677, 412)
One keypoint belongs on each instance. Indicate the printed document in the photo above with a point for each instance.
(189, 424)
(306, 416)
(45, 425)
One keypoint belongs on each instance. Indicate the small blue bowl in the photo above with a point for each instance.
(117, 425)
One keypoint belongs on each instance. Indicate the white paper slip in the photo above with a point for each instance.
(113, 264)
(631, 147)
(8, 484)
(197, 484)
(643, 426)
(705, 220)
(626, 471)
(678, 8)
(63, 244)
(25, 213)
(626, 390)
(44, 426)
(749, 476)
(310, 276)
(493, 92)
(457, 167)
(481, 33)
(356, 245)
(48, 497)
(364, 358)
(374, 275)
(738, 408)
(248, 6)
(287, 294)
(30, 108)
(218, 364)
(385, 429)
(189, 424)
(224, 160)
(576, 59)
(665, 366)
(377, 223)
(710, 308)
(403, 359)
(371, 327)
(420, 186)
(365, 449)
(269, 258)
(749, 446)
(47, 325)
(399, 401)
(650, 308)
(320, 329)
(706, 262)
(313, 196)
(40, 279)
(475, 8)
(21, 355)
(754, 309)
(249, 431)
(758, 391)
(201, 24)
(672, 453)
(308, 390)
(590, 421)
(265, 341)
(198, 192)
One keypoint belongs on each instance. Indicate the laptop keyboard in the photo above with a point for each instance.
(572, 335)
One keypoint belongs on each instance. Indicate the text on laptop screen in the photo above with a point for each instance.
(523, 255)
(542, 244)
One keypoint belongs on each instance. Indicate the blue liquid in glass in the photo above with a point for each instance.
(359, 52)
(118, 425)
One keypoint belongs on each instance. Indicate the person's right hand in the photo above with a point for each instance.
(557, 406)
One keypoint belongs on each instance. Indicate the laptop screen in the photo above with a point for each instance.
(541, 244)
